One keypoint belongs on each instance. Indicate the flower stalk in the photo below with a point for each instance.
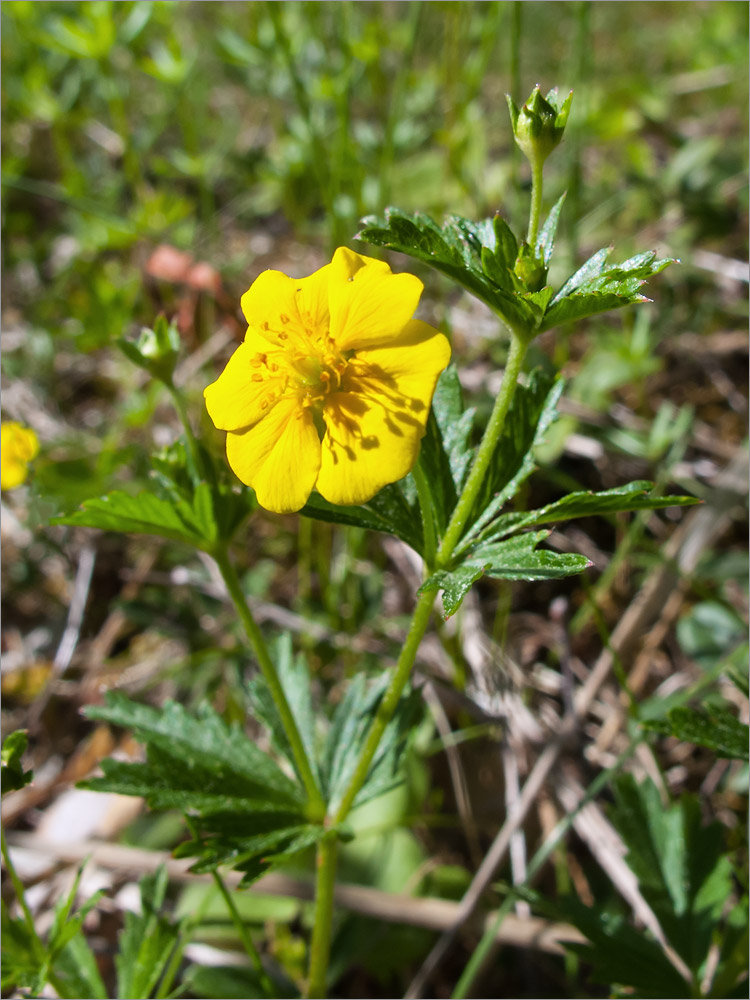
(316, 805)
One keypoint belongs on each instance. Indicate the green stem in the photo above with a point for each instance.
(428, 517)
(518, 345)
(320, 946)
(247, 941)
(316, 804)
(535, 212)
(420, 619)
(390, 700)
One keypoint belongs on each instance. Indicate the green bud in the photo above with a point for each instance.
(539, 125)
(530, 268)
(155, 350)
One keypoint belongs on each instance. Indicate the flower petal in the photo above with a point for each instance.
(367, 445)
(279, 457)
(405, 371)
(369, 305)
(234, 400)
(288, 311)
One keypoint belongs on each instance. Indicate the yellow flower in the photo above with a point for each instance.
(18, 445)
(332, 385)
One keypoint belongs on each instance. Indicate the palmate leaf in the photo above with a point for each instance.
(349, 728)
(147, 941)
(596, 288)
(482, 257)
(455, 249)
(511, 559)
(630, 497)
(682, 869)
(390, 511)
(715, 728)
(533, 409)
(241, 802)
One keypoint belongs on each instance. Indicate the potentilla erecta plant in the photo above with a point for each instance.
(342, 405)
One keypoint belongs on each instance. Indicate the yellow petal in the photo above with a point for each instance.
(367, 445)
(406, 371)
(288, 311)
(235, 399)
(18, 446)
(369, 305)
(279, 457)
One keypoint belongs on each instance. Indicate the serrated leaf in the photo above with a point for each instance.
(620, 954)
(506, 244)
(455, 585)
(630, 497)
(147, 941)
(595, 288)
(349, 728)
(202, 746)
(545, 243)
(717, 729)
(533, 409)
(295, 679)
(455, 424)
(76, 969)
(389, 511)
(143, 514)
(682, 870)
(13, 749)
(454, 249)
(514, 558)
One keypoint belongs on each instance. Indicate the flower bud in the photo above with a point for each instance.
(539, 125)
(155, 350)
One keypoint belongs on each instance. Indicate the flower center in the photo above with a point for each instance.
(308, 375)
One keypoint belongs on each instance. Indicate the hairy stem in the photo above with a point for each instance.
(316, 804)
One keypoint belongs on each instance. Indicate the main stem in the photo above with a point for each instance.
(518, 345)
(316, 804)
(320, 946)
(326, 861)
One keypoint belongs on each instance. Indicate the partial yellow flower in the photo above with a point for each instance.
(18, 446)
(332, 385)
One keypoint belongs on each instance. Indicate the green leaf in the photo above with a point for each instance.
(514, 558)
(545, 243)
(455, 425)
(717, 729)
(595, 288)
(620, 954)
(144, 514)
(533, 409)
(200, 755)
(13, 774)
(22, 964)
(75, 967)
(389, 511)
(147, 941)
(681, 867)
(633, 496)
(349, 728)
(296, 681)
(455, 249)
(242, 804)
